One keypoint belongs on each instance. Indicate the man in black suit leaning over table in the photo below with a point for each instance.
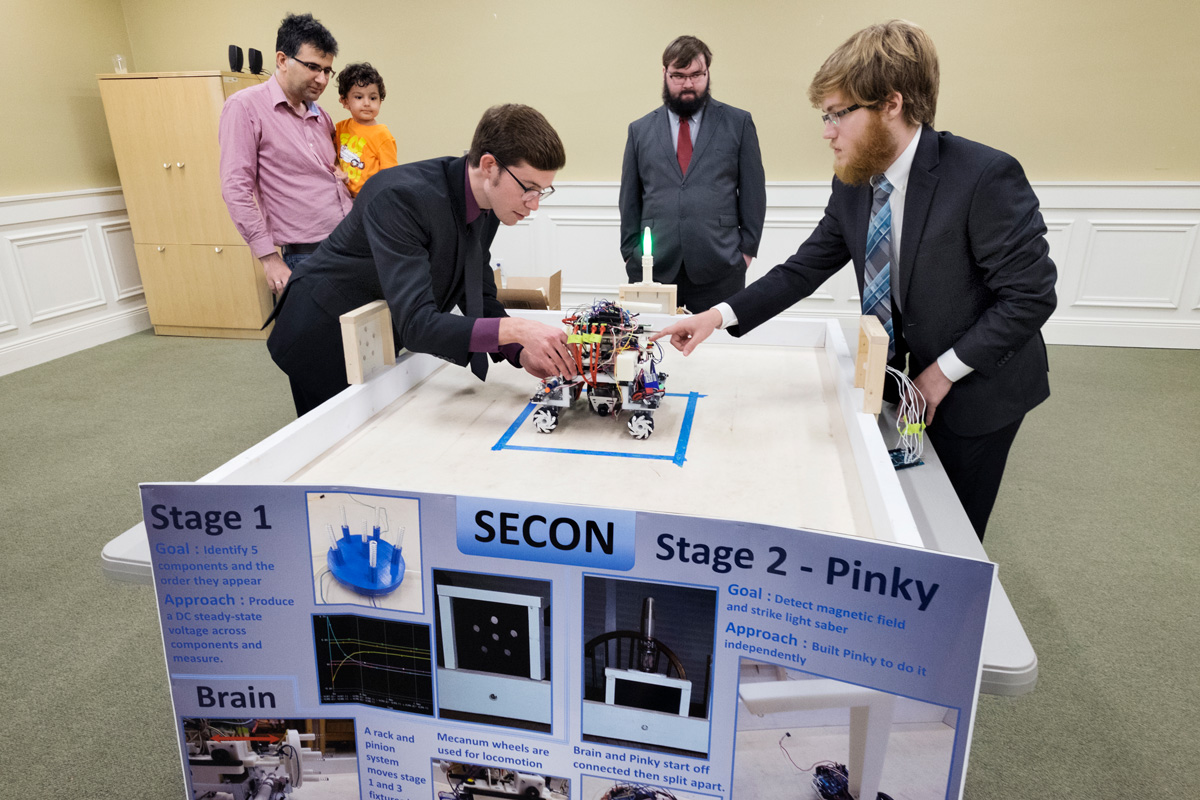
(693, 174)
(418, 236)
(960, 273)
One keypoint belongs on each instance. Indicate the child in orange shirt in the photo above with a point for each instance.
(364, 145)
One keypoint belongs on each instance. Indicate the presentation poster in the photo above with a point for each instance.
(340, 642)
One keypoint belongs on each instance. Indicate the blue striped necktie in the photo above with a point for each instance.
(877, 279)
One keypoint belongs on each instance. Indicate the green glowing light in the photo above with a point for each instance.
(646, 244)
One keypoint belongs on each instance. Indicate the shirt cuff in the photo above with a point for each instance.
(261, 248)
(952, 366)
(485, 335)
(728, 318)
(485, 338)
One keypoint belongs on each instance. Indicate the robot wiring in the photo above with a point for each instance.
(636, 791)
(831, 780)
(910, 422)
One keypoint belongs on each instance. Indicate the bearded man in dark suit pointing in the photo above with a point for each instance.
(948, 246)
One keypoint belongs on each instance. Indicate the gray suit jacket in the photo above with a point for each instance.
(707, 219)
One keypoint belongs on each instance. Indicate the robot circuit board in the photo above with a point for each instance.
(618, 369)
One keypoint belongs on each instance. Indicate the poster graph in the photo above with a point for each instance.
(375, 662)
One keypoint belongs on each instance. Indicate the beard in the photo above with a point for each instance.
(685, 108)
(875, 153)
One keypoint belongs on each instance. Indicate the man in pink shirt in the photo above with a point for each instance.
(277, 154)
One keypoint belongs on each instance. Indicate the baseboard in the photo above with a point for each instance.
(31, 351)
(1121, 333)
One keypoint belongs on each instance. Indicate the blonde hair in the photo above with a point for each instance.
(895, 56)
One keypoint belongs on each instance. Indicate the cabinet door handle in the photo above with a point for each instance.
(167, 165)
(161, 249)
(179, 164)
(217, 249)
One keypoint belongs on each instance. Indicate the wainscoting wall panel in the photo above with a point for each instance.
(1127, 257)
(68, 276)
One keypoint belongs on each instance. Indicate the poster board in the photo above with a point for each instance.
(481, 674)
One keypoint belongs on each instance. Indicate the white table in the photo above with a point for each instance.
(777, 438)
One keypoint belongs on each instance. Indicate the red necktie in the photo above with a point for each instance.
(683, 148)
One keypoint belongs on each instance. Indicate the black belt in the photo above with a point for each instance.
(299, 249)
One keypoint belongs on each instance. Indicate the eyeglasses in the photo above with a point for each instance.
(834, 118)
(530, 194)
(329, 71)
(681, 77)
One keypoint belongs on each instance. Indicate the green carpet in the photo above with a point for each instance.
(84, 692)
(1095, 534)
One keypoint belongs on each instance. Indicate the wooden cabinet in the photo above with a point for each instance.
(197, 272)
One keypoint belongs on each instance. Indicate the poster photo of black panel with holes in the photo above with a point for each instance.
(493, 649)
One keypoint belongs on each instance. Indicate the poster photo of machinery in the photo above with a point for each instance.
(453, 780)
(366, 550)
(270, 759)
(597, 788)
(647, 664)
(843, 738)
(493, 649)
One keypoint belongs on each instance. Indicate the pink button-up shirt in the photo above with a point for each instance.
(277, 169)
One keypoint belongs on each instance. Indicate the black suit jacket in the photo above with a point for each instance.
(707, 219)
(405, 241)
(975, 275)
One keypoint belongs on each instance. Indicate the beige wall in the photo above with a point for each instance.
(53, 134)
(1077, 90)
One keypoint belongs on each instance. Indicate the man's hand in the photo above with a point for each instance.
(690, 332)
(277, 272)
(545, 352)
(933, 384)
(536, 366)
(748, 260)
(341, 175)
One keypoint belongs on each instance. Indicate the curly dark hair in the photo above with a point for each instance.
(297, 30)
(360, 73)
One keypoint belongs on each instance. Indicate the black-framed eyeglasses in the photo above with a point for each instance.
(834, 118)
(530, 194)
(684, 77)
(329, 71)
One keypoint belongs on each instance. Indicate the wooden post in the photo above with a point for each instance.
(652, 297)
(869, 366)
(367, 341)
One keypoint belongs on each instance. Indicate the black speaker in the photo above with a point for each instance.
(235, 58)
(255, 62)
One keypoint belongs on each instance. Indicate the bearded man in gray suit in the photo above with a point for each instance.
(693, 174)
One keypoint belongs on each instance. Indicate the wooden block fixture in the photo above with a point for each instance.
(871, 362)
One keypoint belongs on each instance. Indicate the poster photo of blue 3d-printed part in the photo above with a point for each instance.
(555, 651)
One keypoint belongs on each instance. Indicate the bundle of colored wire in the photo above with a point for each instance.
(637, 791)
(910, 419)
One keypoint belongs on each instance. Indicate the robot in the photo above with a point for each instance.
(617, 366)
(469, 781)
(246, 767)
